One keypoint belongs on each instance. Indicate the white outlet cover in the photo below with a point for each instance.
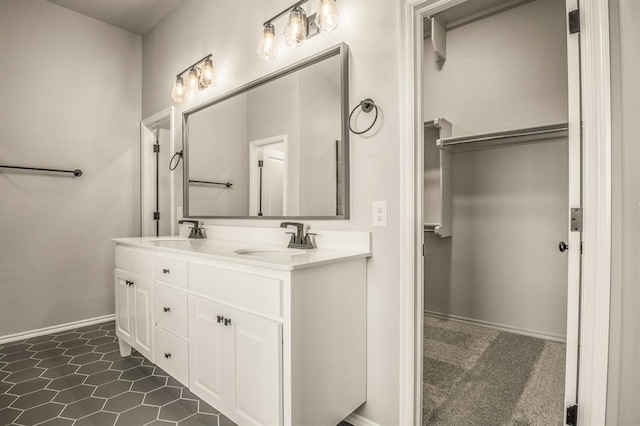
(379, 213)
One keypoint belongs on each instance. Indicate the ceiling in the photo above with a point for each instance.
(136, 16)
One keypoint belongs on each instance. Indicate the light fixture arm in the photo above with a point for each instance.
(284, 12)
(195, 63)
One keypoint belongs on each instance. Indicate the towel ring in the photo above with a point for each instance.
(367, 106)
(177, 155)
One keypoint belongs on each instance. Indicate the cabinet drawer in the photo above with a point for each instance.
(134, 260)
(172, 355)
(170, 306)
(262, 294)
(170, 270)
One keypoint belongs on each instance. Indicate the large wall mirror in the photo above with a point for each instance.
(274, 148)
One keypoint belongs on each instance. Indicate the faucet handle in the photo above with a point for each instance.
(308, 241)
(293, 237)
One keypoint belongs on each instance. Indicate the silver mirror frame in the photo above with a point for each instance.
(343, 192)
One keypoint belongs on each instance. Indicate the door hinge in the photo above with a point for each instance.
(574, 21)
(423, 250)
(260, 163)
(156, 148)
(156, 215)
(576, 219)
(572, 415)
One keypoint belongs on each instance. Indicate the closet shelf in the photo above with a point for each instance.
(527, 135)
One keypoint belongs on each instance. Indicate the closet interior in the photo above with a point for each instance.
(496, 185)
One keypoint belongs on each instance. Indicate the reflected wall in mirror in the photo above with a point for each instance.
(277, 147)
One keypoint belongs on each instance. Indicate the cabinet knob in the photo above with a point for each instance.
(227, 321)
(167, 355)
(166, 309)
(165, 271)
(129, 283)
(220, 319)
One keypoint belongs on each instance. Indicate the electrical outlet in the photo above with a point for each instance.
(379, 213)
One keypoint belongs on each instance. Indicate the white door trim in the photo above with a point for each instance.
(149, 122)
(596, 262)
(253, 177)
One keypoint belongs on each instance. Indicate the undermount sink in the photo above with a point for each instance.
(270, 252)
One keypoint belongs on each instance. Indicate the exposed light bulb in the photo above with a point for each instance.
(268, 46)
(327, 17)
(295, 33)
(178, 93)
(193, 85)
(208, 73)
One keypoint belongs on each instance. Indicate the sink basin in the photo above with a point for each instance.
(270, 252)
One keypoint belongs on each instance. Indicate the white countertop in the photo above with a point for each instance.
(226, 251)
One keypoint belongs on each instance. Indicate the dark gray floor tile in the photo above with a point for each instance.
(102, 377)
(6, 399)
(48, 353)
(39, 414)
(33, 399)
(4, 386)
(58, 421)
(29, 386)
(162, 396)
(79, 350)
(140, 415)
(88, 328)
(8, 415)
(178, 410)
(161, 423)
(24, 375)
(123, 402)
(200, 420)
(109, 347)
(160, 372)
(14, 347)
(12, 367)
(75, 393)
(63, 370)
(112, 356)
(224, 421)
(67, 382)
(85, 359)
(83, 408)
(187, 394)
(101, 418)
(173, 382)
(72, 343)
(125, 364)
(136, 373)
(3, 375)
(111, 326)
(39, 339)
(101, 340)
(94, 367)
(203, 407)
(113, 388)
(55, 361)
(44, 346)
(71, 335)
(149, 383)
(93, 334)
(17, 356)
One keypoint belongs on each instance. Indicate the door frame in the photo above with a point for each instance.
(145, 159)
(596, 202)
(253, 176)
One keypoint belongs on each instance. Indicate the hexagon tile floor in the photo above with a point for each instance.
(78, 377)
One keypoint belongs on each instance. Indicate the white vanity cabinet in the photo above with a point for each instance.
(133, 313)
(263, 345)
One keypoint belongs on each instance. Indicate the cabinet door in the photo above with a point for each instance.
(208, 374)
(142, 289)
(255, 356)
(124, 307)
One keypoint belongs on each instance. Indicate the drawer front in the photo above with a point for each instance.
(172, 355)
(254, 292)
(170, 270)
(170, 306)
(134, 260)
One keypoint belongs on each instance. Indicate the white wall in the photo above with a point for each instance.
(510, 204)
(71, 96)
(624, 351)
(370, 28)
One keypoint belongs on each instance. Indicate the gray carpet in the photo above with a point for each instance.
(476, 375)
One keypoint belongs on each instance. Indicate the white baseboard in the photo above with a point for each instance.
(508, 328)
(358, 420)
(55, 329)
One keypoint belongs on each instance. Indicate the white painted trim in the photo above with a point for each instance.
(253, 176)
(502, 327)
(596, 258)
(149, 122)
(55, 328)
(357, 420)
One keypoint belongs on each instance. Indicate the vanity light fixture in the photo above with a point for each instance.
(200, 75)
(299, 27)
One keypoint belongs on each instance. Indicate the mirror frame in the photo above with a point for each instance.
(341, 50)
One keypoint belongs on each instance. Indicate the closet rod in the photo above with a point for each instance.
(227, 184)
(76, 172)
(509, 137)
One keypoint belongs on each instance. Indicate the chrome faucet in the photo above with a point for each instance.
(299, 240)
(196, 231)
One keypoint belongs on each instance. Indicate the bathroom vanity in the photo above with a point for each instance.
(265, 334)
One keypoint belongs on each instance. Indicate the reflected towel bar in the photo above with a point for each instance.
(76, 172)
(227, 184)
